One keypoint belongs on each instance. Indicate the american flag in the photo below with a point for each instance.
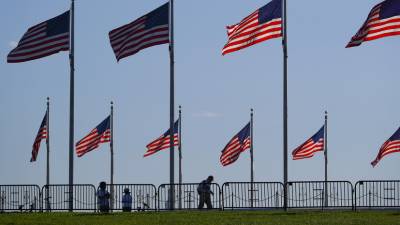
(42, 40)
(100, 134)
(163, 141)
(42, 134)
(382, 21)
(149, 30)
(390, 146)
(263, 24)
(238, 144)
(312, 145)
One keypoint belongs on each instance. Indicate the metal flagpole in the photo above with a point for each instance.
(48, 155)
(326, 159)
(112, 157)
(71, 111)
(180, 157)
(285, 107)
(252, 160)
(171, 107)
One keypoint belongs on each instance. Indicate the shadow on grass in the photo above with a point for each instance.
(285, 214)
(92, 214)
(111, 214)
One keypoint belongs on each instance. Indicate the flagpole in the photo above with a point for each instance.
(285, 107)
(180, 157)
(251, 160)
(112, 157)
(171, 107)
(326, 158)
(48, 154)
(71, 112)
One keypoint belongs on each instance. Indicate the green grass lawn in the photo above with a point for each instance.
(204, 217)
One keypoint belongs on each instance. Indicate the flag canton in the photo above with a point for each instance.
(103, 126)
(175, 129)
(157, 17)
(319, 135)
(244, 133)
(44, 121)
(395, 136)
(272, 10)
(389, 9)
(58, 25)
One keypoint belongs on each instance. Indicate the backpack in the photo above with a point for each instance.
(200, 187)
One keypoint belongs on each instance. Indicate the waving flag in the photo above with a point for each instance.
(100, 134)
(163, 141)
(382, 21)
(312, 145)
(44, 39)
(42, 134)
(390, 146)
(263, 24)
(147, 31)
(238, 144)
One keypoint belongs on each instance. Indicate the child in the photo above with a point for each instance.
(126, 201)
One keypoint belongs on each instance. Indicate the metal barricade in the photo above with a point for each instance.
(257, 195)
(320, 194)
(144, 196)
(186, 196)
(23, 198)
(377, 194)
(234, 195)
(56, 197)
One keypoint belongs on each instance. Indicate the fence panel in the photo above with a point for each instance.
(143, 196)
(377, 194)
(242, 195)
(186, 196)
(311, 194)
(56, 197)
(20, 198)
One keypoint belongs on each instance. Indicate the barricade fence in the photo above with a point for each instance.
(377, 194)
(383, 194)
(320, 194)
(187, 196)
(144, 196)
(56, 197)
(259, 195)
(23, 198)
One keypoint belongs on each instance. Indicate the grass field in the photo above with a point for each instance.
(209, 218)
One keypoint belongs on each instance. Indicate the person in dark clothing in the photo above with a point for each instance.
(103, 197)
(204, 191)
(127, 201)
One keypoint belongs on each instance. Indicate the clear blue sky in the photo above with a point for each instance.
(358, 86)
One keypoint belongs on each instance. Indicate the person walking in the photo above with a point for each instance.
(103, 197)
(204, 191)
(127, 201)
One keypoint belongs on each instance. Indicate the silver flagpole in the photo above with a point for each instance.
(112, 157)
(326, 159)
(48, 155)
(180, 157)
(285, 106)
(171, 108)
(71, 111)
(252, 160)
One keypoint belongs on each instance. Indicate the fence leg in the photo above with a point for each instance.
(232, 201)
(369, 200)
